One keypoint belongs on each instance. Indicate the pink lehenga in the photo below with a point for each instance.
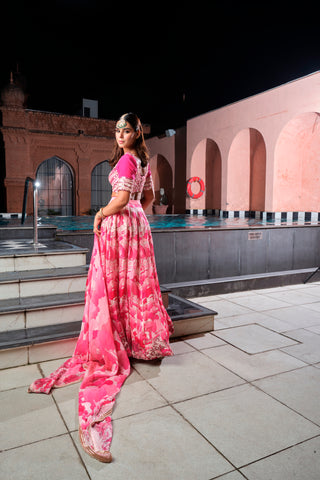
(124, 315)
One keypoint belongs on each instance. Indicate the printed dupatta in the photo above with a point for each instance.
(99, 360)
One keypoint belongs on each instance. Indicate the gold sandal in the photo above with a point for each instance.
(104, 457)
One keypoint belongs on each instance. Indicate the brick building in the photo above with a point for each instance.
(69, 155)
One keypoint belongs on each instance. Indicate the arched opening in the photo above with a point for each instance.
(297, 166)
(162, 178)
(213, 175)
(206, 164)
(56, 187)
(101, 189)
(257, 171)
(246, 172)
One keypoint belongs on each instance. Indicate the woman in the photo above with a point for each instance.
(123, 315)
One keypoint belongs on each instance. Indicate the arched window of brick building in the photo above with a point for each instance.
(56, 187)
(100, 187)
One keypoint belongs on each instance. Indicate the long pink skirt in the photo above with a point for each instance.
(123, 316)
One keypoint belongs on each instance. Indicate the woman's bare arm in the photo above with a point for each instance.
(148, 197)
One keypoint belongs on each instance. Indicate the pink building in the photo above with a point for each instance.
(259, 156)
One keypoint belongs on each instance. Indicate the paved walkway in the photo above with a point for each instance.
(242, 402)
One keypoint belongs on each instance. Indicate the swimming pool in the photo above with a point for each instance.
(159, 222)
(192, 248)
(156, 221)
(85, 222)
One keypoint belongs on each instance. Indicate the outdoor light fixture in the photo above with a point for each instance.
(170, 132)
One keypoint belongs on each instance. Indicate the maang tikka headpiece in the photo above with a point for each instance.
(122, 123)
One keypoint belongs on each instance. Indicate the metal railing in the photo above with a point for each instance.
(35, 185)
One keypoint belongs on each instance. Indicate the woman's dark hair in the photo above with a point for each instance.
(140, 145)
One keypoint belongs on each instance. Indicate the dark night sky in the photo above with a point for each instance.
(145, 56)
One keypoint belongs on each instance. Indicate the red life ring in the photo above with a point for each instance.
(190, 182)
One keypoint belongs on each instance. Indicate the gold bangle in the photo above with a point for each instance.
(101, 213)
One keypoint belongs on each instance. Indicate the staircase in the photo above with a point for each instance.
(42, 299)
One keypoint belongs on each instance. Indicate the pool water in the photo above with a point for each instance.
(84, 222)
(156, 221)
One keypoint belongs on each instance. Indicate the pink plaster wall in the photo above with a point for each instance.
(297, 165)
(261, 151)
(238, 178)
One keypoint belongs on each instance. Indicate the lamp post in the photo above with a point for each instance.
(36, 185)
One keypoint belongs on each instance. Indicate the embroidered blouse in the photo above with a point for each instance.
(129, 175)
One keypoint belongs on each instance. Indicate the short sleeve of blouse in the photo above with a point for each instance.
(127, 167)
(127, 170)
(148, 183)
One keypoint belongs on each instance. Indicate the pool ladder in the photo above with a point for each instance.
(35, 185)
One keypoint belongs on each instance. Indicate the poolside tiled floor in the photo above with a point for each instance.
(240, 402)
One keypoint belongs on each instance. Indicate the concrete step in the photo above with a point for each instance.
(46, 310)
(40, 311)
(33, 287)
(56, 341)
(188, 317)
(216, 286)
(13, 230)
(20, 255)
(20, 285)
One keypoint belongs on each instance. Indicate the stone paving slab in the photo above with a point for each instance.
(245, 424)
(27, 418)
(185, 376)
(298, 389)
(254, 338)
(158, 444)
(52, 459)
(301, 462)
